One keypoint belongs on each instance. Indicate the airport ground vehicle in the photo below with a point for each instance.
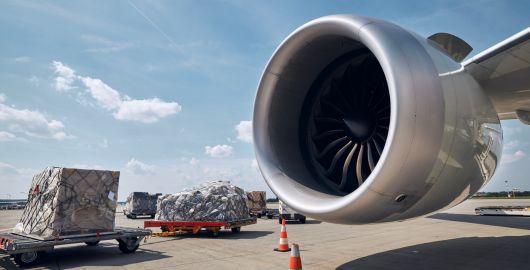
(503, 211)
(134, 215)
(287, 213)
(27, 250)
(266, 212)
(172, 228)
(141, 204)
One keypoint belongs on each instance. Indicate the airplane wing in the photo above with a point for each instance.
(504, 72)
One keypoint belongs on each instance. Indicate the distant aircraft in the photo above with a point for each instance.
(357, 120)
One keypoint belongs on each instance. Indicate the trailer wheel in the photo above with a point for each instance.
(93, 243)
(129, 245)
(27, 258)
(236, 229)
(213, 233)
(269, 216)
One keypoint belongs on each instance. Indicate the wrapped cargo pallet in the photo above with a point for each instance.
(141, 203)
(68, 201)
(256, 200)
(212, 201)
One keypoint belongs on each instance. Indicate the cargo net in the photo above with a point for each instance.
(64, 201)
(141, 203)
(256, 200)
(212, 201)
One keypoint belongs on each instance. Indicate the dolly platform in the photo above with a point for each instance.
(28, 250)
(173, 228)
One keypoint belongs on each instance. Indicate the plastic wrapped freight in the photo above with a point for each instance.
(66, 201)
(256, 200)
(212, 201)
(141, 203)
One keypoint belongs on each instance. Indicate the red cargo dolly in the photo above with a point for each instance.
(172, 228)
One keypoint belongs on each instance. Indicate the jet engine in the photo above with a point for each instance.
(358, 120)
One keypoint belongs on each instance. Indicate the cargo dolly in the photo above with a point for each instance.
(174, 228)
(27, 250)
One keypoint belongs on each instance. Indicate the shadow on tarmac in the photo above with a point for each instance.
(296, 222)
(510, 252)
(106, 254)
(501, 221)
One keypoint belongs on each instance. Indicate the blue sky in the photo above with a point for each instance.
(163, 90)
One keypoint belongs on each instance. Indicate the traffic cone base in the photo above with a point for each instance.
(283, 246)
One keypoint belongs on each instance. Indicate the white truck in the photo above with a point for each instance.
(503, 211)
(288, 213)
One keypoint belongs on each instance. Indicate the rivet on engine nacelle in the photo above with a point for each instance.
(400, 198)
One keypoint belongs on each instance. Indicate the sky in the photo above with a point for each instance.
(163, 91)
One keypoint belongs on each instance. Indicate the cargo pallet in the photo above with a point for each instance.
(503, 211)
(27, 250)
(174, 228)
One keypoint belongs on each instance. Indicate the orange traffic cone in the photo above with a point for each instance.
(284, 244)
(295, 262)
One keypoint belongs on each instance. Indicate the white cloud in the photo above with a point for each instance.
(2, 98)
(21, 59)
(137, 167)
(244, 131)
(122, 106)
(512, 144)
(31, 123)
(18, 179)
(65, 77)
(104, 45)
(105, 95)
(6, 136)
(219, 151)
(510, 158)
(88, 167)
(104, 144)
(7, 168)
(146, 110)
(34, 80)
(254, 164)
(194, 161)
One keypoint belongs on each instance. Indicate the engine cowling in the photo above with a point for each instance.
(357, 120)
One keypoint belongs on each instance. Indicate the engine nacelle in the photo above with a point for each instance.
(357, 120)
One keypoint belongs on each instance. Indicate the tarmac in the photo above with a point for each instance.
(452, 239)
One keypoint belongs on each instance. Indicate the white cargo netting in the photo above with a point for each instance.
(212, 201)
(67, 201)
